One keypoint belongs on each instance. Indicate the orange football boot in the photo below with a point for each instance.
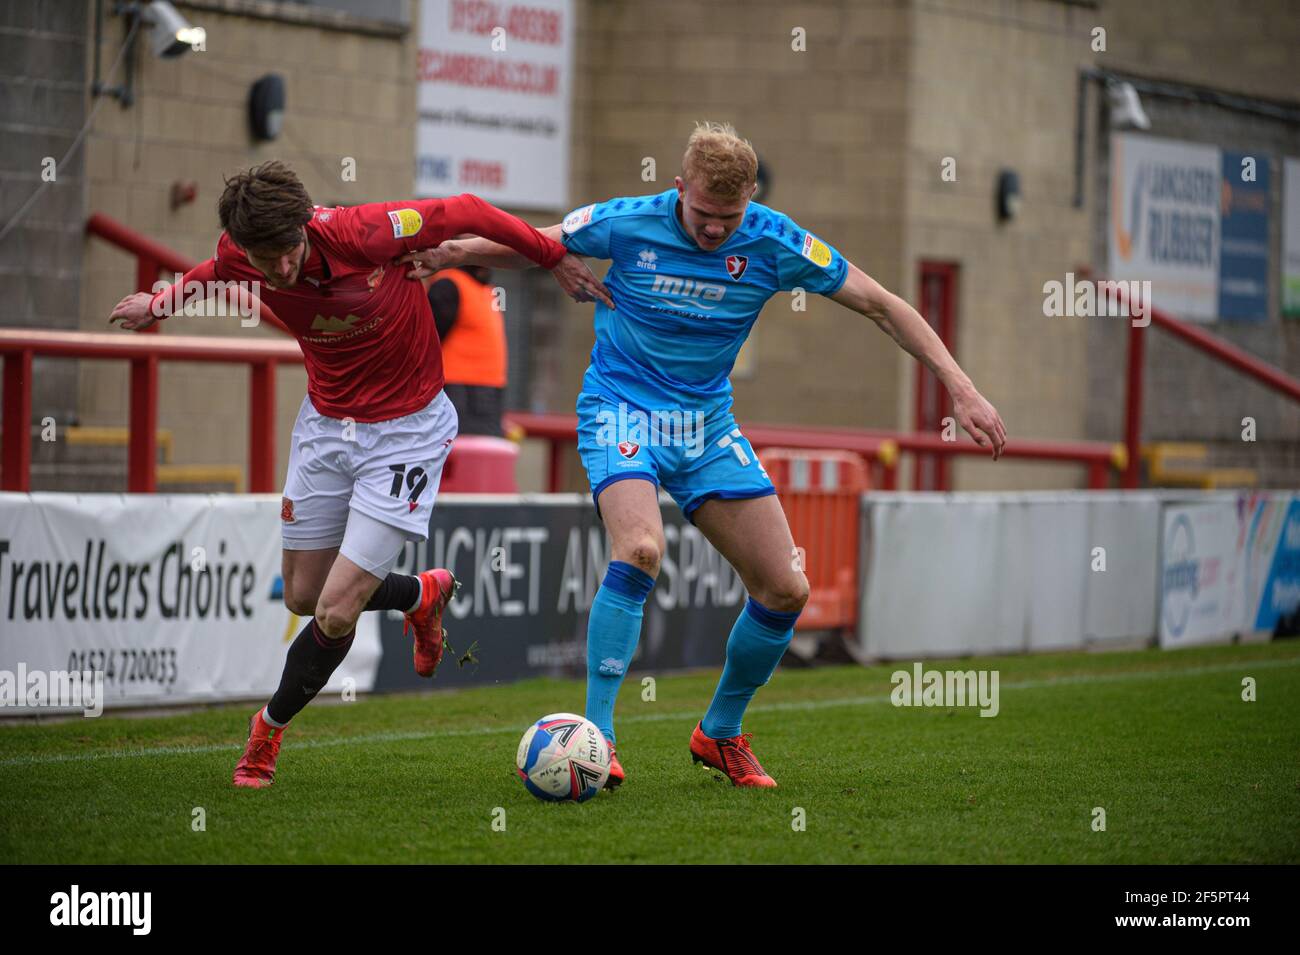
(616, 774)
(437, 587)
(256, 768)
(732, 757)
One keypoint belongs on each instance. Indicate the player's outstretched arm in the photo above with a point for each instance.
(471, 250)
(913, 333)
(139, 310)
(571, 272)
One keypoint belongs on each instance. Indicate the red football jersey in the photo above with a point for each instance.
(367, 334)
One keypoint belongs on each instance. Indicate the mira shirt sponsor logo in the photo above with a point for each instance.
(691, 293)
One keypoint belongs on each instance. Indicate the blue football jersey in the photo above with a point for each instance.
(683, 313)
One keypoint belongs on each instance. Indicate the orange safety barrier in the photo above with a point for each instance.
(820, 492)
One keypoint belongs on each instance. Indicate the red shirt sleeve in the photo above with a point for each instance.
(227, 267)
(173, 298)
(382, 231)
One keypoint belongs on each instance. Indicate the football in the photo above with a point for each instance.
(563, 758)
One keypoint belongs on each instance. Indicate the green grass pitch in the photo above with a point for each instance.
(1186, 771)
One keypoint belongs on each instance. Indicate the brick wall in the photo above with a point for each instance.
(1189, 396)
(852, 131)
(991, 86)
(826, 122)
(348, 95)
(42, 108)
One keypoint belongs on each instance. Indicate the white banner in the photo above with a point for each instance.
(1200, 585)
(960, 574)
(1164, 221)
(493, 91)
(174, 598)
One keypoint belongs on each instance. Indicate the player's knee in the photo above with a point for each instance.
(644, 554)
(336, 619)
(303, 605)
(788, 595)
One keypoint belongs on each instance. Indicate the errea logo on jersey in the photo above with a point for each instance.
(689, 291)
(646, 259)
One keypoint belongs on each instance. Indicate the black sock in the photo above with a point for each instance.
(395, 592)
(312, 658)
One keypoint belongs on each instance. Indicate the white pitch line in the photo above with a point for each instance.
(790, 706)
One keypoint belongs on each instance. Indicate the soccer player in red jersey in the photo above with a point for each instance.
(375, 428)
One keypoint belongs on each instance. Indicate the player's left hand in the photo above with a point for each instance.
(428, 261)
(578, 282)
(980, 420)
(134, 312)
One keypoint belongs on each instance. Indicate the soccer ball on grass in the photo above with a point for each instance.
(563, 758)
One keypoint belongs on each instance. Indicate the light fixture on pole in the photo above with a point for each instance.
(1126, 110)
(173, 36)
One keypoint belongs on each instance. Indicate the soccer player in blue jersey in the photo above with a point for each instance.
(690, 268)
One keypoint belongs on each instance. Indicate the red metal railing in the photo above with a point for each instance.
(19, 347)
(880, 449)
(1199, 338)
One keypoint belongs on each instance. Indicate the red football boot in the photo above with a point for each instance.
(437, 587)
(732, 757)
(616, 774)
(256, 768)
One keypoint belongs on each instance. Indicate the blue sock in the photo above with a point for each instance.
(755, 647)
(612, 632)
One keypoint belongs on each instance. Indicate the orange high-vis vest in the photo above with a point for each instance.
(475, 350)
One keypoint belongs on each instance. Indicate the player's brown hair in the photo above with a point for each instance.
(720, 162)
(265, 207)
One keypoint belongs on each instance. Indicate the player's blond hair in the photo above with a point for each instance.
(720, 162)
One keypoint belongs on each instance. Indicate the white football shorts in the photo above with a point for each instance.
(388, 471)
